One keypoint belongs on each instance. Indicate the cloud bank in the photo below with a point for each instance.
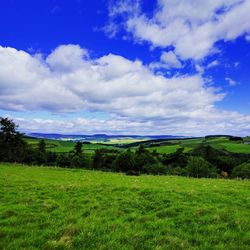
(190, 27)
(135, 99)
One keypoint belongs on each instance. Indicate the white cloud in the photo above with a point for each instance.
(168, 60)
(135, 99)
(215, 123)
(213, 64)
(231, 82)
(192, 27)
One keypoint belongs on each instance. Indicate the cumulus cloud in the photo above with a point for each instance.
(168, 60)
(215, 123)
(135, 99)
(192, 27)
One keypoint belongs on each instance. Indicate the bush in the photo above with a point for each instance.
(178, 171)
(143, 159)
(133, 173)
(77, 161)
(198, 167)
(124, 162)
(242, 171)
(63, 160)
(156, 168)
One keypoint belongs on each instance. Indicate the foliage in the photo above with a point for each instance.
(63, 160)
(143, 158)
(12, 145)
(155, 168)
(124, 162)
(78, 148)
(198, 167)
(103, 159)
(42, 146)
(175, 159)
(77, 161)
(242, 171)
(208, 158)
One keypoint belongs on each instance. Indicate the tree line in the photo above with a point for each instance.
(203, 161)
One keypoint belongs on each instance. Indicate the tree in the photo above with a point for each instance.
(242, 171)
(41, 157)
(42, 146)
(63, 160)
(77, 161)
(12, 144)
(78, 148)
(198, 167)
(143, 158)
(125, 162)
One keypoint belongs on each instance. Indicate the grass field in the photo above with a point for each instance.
(187, 144)
(50, 208)
(66, 146)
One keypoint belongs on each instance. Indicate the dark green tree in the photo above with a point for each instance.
(12, 144)
(125, 162)
(198, 167)
(144, 158)
(78, 148)
(242, 171)
(63, 160)
(77, 161)
(42, 146)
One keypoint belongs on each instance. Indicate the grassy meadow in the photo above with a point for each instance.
(219, 143)
(188, 144)
(60, 146)
(52, 208)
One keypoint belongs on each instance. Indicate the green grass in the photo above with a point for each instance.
(166, 149)
(236, 147)
(189, 144)
(60, 146)
(50, 208)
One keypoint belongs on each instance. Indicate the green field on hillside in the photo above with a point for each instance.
(51, 208)
(189, 144)
(60, 146)
(173, 145)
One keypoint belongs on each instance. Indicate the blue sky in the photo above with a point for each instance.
(126, 67)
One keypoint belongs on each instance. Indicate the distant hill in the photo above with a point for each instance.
(101, 137)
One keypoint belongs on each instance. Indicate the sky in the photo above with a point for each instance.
(145, 67)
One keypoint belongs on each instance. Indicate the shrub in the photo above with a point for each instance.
(143, 159)
(242, 171)
(223, 174)
(63, 160)
(198, 167)
(133, 173)
(77, 161)
(178, 171)
(124, 162)
(156, 168)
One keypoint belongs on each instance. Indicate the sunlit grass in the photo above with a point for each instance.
(51, 208)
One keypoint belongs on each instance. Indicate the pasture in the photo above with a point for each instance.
(52, 208)
(60, 146)
(164, 147)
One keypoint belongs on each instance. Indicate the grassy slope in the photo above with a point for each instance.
(46, 208)
(188, 144)
(66, 146)
(219, 143)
